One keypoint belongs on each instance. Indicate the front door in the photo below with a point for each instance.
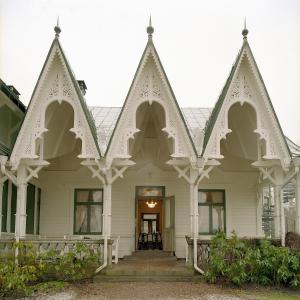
(169, 224)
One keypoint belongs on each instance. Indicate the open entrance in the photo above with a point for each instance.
(155, 219)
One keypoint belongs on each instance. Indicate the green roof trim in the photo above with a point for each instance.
(150, 43)
(87, 114)
(214, 115)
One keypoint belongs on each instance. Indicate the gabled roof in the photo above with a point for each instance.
(85, 109)
(213, 118)
(148, 45)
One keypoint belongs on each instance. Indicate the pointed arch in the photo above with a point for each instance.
(245, 85)
(56, 83)
(150, 84)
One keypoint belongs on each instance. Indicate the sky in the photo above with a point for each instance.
(197, 42)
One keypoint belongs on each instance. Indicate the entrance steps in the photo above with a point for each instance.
(149, 265)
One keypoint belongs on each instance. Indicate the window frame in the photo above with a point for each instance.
(210, 206)
(88, 204)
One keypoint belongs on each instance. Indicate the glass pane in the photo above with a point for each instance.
(202, 197)
(211, 196)
(96, 218)
(81, 218)
(153, 226)
(150, 217)
(204, 219)
(217, 197)
(82, 196)
(218, 218)
(150, 191)
(97, 196)
(145, 226)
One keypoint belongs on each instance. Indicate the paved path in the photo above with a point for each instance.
(151, 290)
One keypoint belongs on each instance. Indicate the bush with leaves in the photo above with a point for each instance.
(18, 277)
(76, 264)
(238, 261)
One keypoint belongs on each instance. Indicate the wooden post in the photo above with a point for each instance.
(20, 228)
(259, 208)
(298, 203)
(1, 195)
(277, 211)
(191, 209)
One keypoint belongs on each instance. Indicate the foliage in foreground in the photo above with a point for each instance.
(33, 270)
(237, 261)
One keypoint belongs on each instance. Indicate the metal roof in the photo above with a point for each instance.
(106, 118)
(196, 119)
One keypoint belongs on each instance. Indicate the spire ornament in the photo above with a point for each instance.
(57, 29)
(245, 30)
(150, 29)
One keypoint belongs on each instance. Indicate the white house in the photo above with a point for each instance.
(149, 166)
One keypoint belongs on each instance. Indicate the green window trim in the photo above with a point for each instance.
(13, 210)
(30, 208)
(210, 206)
(4, 206)
(88, 204)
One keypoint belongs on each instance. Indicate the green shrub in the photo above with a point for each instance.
(237, 261)
(19, 279)
(79, 263)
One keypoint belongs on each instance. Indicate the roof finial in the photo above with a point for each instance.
(150, 29)
(245, 30)
(57, 29)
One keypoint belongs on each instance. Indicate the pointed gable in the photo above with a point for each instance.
(150, 84)
(245, 85)
(56, 83)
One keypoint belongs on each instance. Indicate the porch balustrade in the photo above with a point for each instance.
(61, 246)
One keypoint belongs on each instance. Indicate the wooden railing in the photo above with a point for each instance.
(204, 248)
(61, 246)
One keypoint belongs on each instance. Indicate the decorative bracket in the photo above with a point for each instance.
(107, 174)
(8, 174)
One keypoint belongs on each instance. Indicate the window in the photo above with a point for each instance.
(211, 207)
(150, 191)
(88, 211)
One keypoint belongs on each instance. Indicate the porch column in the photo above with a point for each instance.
(277, 194)
(298, 203)
(1, 194)
(20, 228)
(192, 195)
(259, 209)
(282, 219)
(107, 191)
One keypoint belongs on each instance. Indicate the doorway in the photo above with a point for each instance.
(155, 219)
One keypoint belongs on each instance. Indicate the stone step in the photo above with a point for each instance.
(149, 254)
(146, 278)
(148, 270)
(148, 258)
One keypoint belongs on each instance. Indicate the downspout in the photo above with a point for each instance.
(105, 250)
(196, 215)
